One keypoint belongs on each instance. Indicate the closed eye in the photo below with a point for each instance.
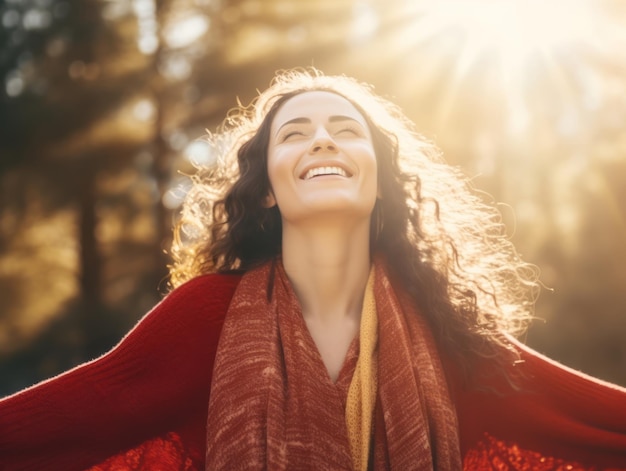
(291, 134)
(348, 130)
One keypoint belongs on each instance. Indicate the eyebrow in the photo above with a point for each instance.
(331, 119)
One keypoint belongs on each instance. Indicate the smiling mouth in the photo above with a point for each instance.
(322, 171)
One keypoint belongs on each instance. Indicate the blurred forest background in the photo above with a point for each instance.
(103, 104)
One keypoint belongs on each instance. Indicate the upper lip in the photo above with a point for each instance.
(317, 165)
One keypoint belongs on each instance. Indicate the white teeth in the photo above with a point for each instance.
(314, 172)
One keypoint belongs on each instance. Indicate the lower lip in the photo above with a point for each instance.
(326, 177)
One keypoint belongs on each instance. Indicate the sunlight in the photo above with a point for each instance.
(516, 28)
(517, 31)
(512, 45)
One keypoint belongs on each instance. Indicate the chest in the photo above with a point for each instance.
(332, 342)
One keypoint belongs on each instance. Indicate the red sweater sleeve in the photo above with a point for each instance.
(556, 417)
(156, 380)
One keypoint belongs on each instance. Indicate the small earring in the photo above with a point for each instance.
(270, 200)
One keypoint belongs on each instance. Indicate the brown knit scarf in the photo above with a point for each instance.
(273, 405)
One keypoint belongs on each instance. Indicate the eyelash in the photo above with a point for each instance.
(351, 129)
(292, 133)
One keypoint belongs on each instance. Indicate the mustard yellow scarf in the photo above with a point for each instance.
(362, 392)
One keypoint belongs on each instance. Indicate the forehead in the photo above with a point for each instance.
(316, 106)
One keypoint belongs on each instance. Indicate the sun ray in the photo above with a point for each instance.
(536, 50)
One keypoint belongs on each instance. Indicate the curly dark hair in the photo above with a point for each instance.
(446, 248)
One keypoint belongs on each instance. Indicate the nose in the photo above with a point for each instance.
(322, 142)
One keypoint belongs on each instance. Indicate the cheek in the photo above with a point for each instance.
(279, 170)
(372, 168)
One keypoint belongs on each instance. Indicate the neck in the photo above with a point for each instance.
(328, 267)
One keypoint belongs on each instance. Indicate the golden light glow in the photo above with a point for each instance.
(522, 94)
(514, 29)
(512, 46)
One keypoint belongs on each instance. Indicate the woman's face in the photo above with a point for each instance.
(321, 159)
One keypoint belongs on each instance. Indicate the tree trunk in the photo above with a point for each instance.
(90, 262)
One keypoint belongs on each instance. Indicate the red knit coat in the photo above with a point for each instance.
(144, 404)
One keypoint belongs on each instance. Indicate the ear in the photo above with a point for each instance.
(269, 201)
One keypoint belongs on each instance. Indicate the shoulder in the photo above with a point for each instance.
(193, 308)
(216, 289)
(206, 295)
(551, 377)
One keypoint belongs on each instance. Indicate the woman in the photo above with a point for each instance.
(367, 300)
